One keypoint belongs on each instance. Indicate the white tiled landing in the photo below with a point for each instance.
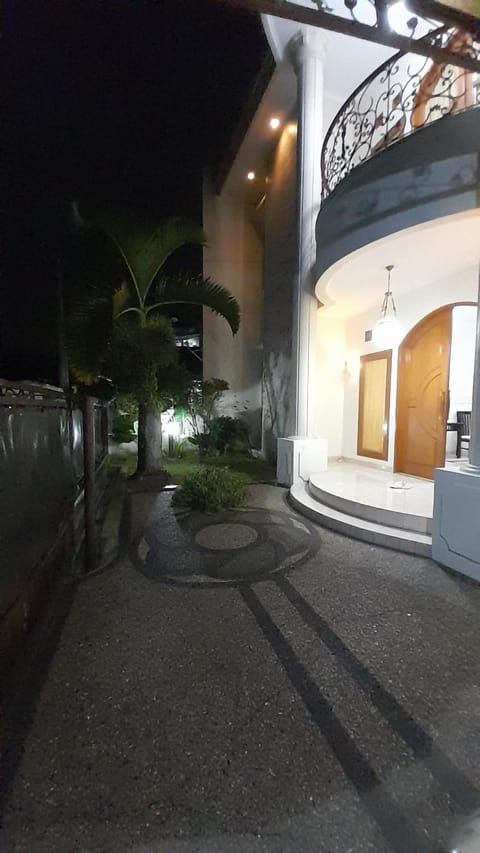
(357, 500)
(366, 492)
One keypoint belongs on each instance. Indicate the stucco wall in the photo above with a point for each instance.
(253, 253)
(326, 386)
(462, 358)
(279, 274)
(233, 257)
(411, 308)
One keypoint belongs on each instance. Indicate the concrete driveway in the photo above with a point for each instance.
(254, 684)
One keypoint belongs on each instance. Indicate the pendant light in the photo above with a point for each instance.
(386, 331)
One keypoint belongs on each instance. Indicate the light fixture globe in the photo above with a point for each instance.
(387, 332)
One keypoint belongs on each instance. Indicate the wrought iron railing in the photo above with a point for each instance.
(406, 93)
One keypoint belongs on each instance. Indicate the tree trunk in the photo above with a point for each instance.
(154, 442)
(142, 439)
(149, 441)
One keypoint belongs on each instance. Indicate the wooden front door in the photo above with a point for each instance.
(422, 395)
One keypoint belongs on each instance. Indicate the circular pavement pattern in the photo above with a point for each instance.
(226, 537)
(245, 545)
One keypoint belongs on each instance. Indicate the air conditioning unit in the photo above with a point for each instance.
(298, 457)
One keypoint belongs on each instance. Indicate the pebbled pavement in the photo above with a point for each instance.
(291, 692)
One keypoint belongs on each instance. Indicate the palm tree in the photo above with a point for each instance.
(124, 334)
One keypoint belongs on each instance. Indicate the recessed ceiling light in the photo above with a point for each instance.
(250, 176)
(274, 123)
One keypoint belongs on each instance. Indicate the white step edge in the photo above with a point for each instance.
(395, 538)
(370, 512)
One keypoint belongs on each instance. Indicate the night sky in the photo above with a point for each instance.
(122, 101)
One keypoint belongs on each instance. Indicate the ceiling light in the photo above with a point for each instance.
(398, 15)
(386, 332)
(402, 21)
(274, 123)
(250, 176)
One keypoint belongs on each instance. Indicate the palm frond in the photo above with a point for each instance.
(122, 301)
(88, 331)
(75, 221)
(184, 288)
(137, 352)
(146, 244)
(158, 341)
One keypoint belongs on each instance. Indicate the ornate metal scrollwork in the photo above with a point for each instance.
(406, 93)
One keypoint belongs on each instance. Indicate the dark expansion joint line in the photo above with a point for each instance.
(399, 833)
(447, 774)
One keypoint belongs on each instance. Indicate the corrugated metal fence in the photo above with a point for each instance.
(41, 492)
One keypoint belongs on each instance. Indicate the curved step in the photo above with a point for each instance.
(396, 538)
(370, 511)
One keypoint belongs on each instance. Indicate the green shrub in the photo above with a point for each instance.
(179, 449)
(204, 442)
(224, 435)
(122, 427)
(229, 435)
(211, 489)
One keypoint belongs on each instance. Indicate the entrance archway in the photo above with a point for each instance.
(423, 395)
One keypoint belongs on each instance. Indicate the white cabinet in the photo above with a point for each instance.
(298, 457)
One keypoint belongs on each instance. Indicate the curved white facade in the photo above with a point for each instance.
(305, 323)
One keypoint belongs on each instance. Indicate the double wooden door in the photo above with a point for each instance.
(422, 395)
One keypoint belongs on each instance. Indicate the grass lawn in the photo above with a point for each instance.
(252, 470)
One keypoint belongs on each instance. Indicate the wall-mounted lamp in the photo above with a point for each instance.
(351, 366)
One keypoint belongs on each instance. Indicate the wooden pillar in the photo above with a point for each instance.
(104, 428)
(89, 483)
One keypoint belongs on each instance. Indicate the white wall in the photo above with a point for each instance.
(411, 308)
(279, 279)
(462, 353)
(327, 381)
(233, 257)
(331, 106)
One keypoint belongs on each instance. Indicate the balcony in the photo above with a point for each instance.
(403, 96)
(402, 151)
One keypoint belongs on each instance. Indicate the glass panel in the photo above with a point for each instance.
(374, 398)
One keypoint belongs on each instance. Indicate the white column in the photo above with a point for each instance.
(473, 466)
(308, 53)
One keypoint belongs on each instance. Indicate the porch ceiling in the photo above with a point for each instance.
(348, 60)
(340, 79)
(421, 255)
